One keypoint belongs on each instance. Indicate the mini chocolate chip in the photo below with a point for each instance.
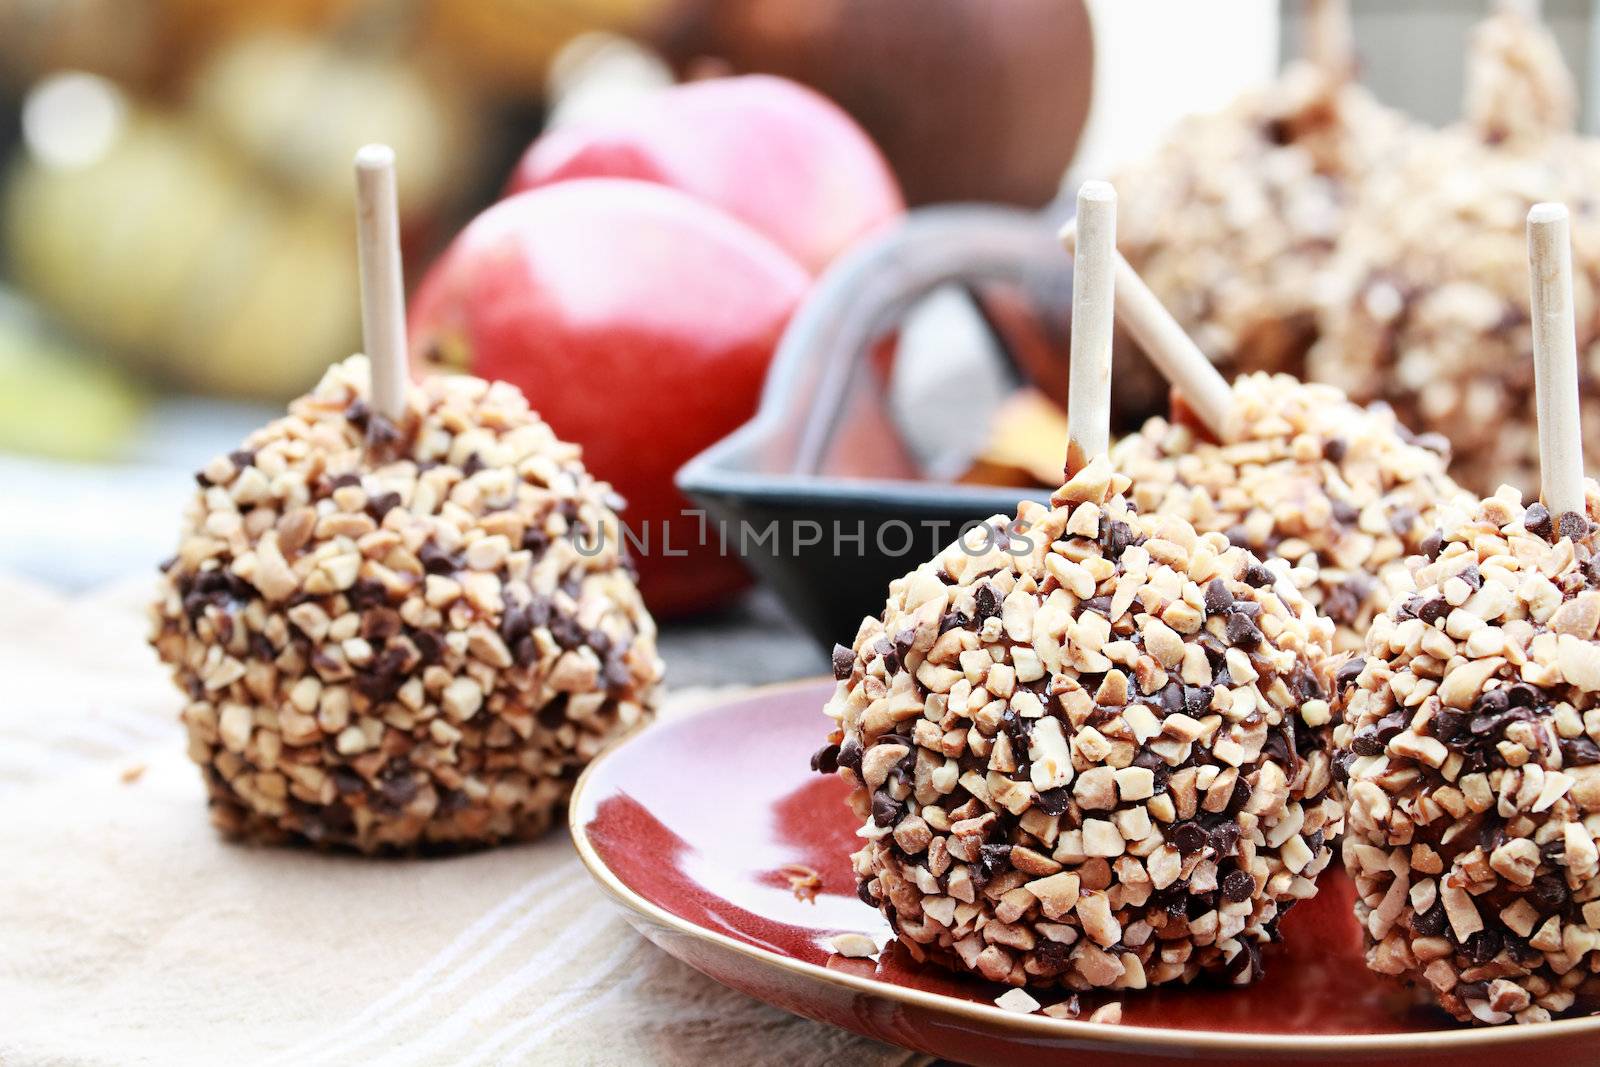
(345, 480)
(1242, 632)
(825, 760)
(1098, 604)
(886, 810)
(1276, 747)
(1433, 610)
(1197, 698)
(995, 859)
(954, 620)
(1579, 751)
(1482, 947)
(566, 631)
(358, 413)
(367, 593)
(1054, 801)
(380, 505)
(1256, 575)
(472, 466)
(1342, 605)
(1225, 837)
(1472, 576)
(1549, 892)
(1573, 525)
(850, 754)
(1240, 795)
(1536, 520)
(525, 652)
(399, 790)
(1522, 695)
(1344, 512)
(1433, 544)
(1491, 702)
(436, 560)
(1218, 599)
(844, 662)
(1429, 923)
(1017, 727)
(864, 892)
(535, 540)
(242, 458)
(1391, 724)
(346, 780)
(614, 673)
(1189, 838)
(988, 601)
(1334, 449)
(1449, 726)
(1115, 537)
(1348, 672)
(1366, 743)
(429, 645)
(1051, 956)
(1237, 886)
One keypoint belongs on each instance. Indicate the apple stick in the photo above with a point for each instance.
(1555, 359)
(383, 308)
(1166, 344)
(1330, 39)
(1089, 397)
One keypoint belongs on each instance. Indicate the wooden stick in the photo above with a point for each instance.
(1173, 351)
(1089, 395)
(383, 307)
(1555, 359)
(1330, 38)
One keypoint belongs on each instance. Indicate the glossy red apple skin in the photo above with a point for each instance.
(785, 159)
(639, 322)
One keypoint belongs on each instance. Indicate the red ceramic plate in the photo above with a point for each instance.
(691, 823)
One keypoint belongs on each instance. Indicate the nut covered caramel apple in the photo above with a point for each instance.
(1234, 219)
(401, 634)
(1427, 299)
(1342, 493)
(1469, 737)
(1085, 749)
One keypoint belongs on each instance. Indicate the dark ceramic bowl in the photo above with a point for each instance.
(840, 483)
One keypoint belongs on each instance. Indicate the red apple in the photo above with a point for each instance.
(639, 322)
(783, 158)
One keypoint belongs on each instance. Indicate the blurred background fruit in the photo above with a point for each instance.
(160, 247)
(639, 322)
(295, 108)
(969, 101)
(55, 400)
(507, 46)
(770, 152)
